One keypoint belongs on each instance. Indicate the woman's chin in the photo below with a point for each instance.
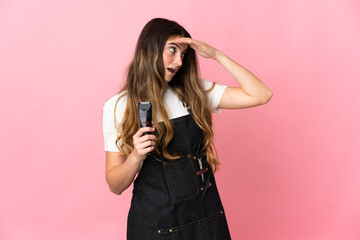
(168, 79)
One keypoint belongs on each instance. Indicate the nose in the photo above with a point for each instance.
(178, 60)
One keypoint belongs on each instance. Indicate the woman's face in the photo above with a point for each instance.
(173, 56)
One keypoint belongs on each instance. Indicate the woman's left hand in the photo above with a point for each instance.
(200, 47)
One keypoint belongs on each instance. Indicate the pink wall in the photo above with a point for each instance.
(290, 168)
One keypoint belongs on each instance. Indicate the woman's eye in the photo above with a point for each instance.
(172, 49)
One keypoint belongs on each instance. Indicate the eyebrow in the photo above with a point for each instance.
(178, 46)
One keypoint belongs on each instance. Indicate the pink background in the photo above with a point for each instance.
(290, 168)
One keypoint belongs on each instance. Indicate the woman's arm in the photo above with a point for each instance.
(121, 170)
(251, 91)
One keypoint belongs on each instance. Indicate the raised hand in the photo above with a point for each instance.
(200, 47)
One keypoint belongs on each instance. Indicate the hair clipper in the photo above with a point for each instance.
(145, 116)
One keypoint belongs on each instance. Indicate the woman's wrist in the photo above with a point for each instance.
(219, 56)
(135, 159)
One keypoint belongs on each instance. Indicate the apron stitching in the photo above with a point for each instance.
(190, 225)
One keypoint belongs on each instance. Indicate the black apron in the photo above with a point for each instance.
(177, 199)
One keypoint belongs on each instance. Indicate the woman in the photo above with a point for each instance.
(175, 194)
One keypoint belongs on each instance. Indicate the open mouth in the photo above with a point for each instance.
(171, 70)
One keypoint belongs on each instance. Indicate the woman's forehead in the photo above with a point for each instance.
(172, 41)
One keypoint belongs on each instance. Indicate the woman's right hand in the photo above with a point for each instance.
(143, 144)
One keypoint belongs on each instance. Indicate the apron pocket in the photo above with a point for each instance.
(211, 227)
(181, 179)
(185, 234)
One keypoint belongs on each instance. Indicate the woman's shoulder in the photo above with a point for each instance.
(214, 92)
(111, 120)
(118, 102)
(209, 85)
(117, 99)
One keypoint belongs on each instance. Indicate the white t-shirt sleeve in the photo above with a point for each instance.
(109, 124)
(214, 96)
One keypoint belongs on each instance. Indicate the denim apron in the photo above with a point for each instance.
(177, 199)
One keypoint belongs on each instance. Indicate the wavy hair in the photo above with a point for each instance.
(145, 82)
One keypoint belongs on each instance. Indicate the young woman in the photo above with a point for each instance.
(175, 194)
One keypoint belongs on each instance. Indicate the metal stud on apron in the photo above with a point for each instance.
(177, 199)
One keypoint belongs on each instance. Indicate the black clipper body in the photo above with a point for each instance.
(145, 114)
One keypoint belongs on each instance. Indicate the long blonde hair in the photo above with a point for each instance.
(145, 82)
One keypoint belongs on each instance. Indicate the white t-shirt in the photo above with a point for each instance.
(172, 103)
